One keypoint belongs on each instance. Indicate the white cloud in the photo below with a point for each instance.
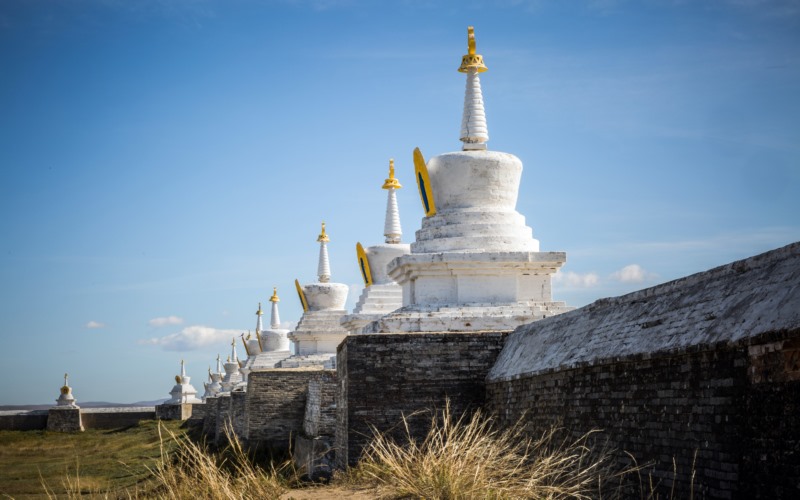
(633, 273)
(576, 280)
(193, 337)
(165, 320)
(95, 324)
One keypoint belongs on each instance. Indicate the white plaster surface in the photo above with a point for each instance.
(476, 196)
(730, 303)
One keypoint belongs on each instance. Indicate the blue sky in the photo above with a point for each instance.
(164, 164)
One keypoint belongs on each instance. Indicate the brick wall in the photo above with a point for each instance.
(276, 405)
(708, 364)
(64, 420)
(700, 408)
(320, 414)
(385, 376)
(238, 414)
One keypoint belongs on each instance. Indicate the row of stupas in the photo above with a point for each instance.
(474, 265)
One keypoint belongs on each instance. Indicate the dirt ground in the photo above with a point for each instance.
(336, 492)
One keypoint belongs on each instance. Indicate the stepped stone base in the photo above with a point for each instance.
(269, 359)
(326, 360)
(319, 332)
(64, 420)
(465, 318)
(375, 302)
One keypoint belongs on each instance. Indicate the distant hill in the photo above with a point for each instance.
(87, 404)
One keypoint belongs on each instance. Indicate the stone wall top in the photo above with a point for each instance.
(730, 303)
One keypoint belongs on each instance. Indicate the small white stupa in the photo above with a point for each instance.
(232, 375)
(475, 265)
(319, 333)
(381, 294)
(183, 392)
(213, 387)
(273, 342)
(65, 398)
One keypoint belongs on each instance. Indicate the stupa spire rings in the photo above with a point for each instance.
(474, 131)
(324, 267)
(391, 227)
(275, 319)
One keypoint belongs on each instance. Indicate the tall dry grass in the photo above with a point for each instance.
(468, 458)
(191, 472)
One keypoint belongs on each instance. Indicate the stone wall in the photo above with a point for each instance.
(115, 418)
(173, 411)
(64, 419)
(704, 371)
(320, 413)
(238, 414)
(276, 405)
(223, 419)
(210, 419)
(23, 420)
(383, 377)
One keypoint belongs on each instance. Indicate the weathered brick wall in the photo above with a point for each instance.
(210, 418)
(745, 433)
(320, 415)
(114, 418)
(28, 421)
(64, 420)
(707, 364)
(238, 414)
(223, 419)
(276, 405)
(383, 377)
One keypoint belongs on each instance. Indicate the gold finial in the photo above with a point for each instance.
(391, 182)
(472, 60)
(259, 312)
(248, 335)
(177, 379)
(323, 237)
(229, 359)
(274, 297)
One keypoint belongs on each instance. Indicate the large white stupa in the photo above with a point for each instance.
(381, 295)
(65, 397)
(232, 375)
(475, 265)
(318, 332)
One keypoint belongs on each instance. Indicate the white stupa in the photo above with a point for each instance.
(232, 374)
(273, 342)
(475, 265)
(213, 387)
(319, 333)
(65, 398)
(381, 294)
(183, 392)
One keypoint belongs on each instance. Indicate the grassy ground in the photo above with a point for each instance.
(104, 461)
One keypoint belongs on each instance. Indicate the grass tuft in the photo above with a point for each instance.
(468, 458)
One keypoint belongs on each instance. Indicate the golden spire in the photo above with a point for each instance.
(323, 238)
(259, 312)
(472, 60)
(274, 297)
(391, 182)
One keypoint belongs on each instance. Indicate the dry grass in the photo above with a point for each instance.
(469, 458)
(191, 471)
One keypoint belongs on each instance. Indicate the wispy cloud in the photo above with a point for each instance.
(165, 320)
(633, 273)
(576, 280)
(193, 337)
(95, 324)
